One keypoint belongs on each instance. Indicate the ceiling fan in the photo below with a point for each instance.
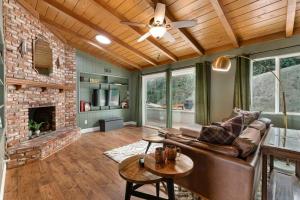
(158, 26)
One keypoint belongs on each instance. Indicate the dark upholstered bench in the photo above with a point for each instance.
(111, 123)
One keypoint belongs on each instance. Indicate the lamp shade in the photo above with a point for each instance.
(222, 64)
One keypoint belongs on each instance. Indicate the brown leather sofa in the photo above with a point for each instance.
(219, 173)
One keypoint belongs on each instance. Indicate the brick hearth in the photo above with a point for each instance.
(41, 147)
(21, 26)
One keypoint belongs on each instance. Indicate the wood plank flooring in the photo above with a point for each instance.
(79, 171)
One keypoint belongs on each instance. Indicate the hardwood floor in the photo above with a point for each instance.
(80, 171)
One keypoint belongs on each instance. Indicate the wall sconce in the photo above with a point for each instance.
(57, 63)
(22, 49)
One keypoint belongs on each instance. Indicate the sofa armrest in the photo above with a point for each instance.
(216, 176)
(191, 131)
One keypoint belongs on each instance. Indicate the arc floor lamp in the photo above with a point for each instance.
(223, 64)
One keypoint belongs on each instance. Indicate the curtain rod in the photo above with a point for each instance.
(273, 50)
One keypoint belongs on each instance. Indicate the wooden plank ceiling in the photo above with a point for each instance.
(221, 25)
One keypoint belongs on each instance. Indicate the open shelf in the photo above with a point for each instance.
(105, 84)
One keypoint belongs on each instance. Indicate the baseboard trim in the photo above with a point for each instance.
(93, 129)
(3, 181)
(89, 130)
(130, 123)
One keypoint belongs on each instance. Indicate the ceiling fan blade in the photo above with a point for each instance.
(134, 24)
(159, 13)
(144, 37)
(184, 24)
(169, 37)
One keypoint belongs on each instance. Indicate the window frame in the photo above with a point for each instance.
(277, 86)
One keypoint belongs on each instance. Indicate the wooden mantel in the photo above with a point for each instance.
(23, 83)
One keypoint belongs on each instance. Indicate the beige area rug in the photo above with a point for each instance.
(121, 153)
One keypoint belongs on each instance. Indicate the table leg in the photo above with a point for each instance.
(264, 176)
(148, 146)
(271, 163)
(129, 189)
(170, 186)
(157, 190)
(298, 169)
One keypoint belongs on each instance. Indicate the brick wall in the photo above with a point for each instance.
(21, 25)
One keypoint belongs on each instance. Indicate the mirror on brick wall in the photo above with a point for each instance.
(42, 56)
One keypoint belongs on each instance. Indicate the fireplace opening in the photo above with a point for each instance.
(45, 115)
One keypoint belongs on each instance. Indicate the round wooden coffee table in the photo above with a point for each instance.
(152, 138)
(157, 137)
(137, 176)
(171, 170)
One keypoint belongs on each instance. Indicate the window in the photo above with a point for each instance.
(266, 93)
(154, 100)
(183, 97)
(263, 86)
(290, 77)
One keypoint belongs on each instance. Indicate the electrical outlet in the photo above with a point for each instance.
(85, 122)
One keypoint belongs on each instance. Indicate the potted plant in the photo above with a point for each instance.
(31, 128)
(36, 127)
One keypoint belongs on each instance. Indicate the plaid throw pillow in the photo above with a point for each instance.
(249, 116)
(234, 125)
(224, 133)
(216, 135)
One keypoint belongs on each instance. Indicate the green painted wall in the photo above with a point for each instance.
(89, 64)
(222, 84)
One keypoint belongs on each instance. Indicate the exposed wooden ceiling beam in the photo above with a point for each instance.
(119, 17)
(257, 40)
(290, 17)
(86, 40)
(218, 6)
(57, 34)
(184, 34)
(99, 30)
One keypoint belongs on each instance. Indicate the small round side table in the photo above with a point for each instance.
(171, 170)
(137, 176)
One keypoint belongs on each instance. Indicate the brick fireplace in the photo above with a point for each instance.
(45, 98)
(44, 115)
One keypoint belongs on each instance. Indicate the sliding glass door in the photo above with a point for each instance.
(154, 100)
(183, 97)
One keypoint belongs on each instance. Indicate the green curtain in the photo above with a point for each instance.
(242, 84)
(169, 97)
(203, 83)
(139, 94)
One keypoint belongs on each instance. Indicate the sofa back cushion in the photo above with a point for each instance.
(259, 125)
(224, 133)
(227, 150)
(248, 141)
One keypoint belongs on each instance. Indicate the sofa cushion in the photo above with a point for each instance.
(266, 121)
(249, 116)
(259, 125)
(248, 141)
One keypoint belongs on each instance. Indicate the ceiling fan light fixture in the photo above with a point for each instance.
(103, 39)
(158, 31)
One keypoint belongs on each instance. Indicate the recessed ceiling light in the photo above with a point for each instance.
(103, 39)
